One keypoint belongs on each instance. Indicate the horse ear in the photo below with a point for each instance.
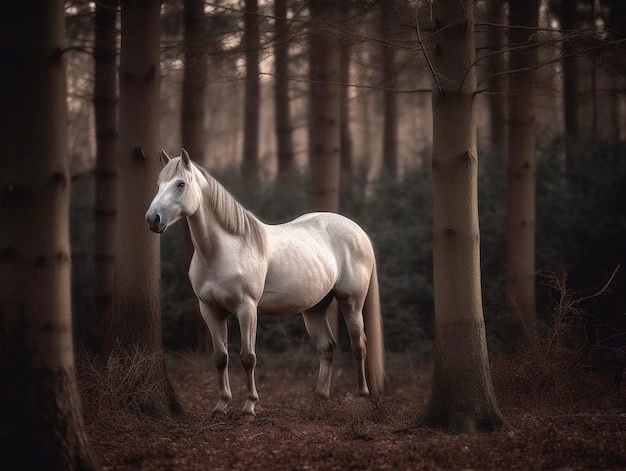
(164, 157)
(186, 158)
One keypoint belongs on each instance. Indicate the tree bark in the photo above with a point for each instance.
(135, 333)
(40, 408)
(284, 142)
(195, 46)
(347, 159)
(497, 79)
(607, 100)
(324, 121)
(521, 172)
(105, 112)
(325, 113)
(390, 100)
(252, 44)
(571, 85)
(196, 336)
(462, 398)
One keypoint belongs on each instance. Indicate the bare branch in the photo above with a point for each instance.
(353, 85)
(421, 43)
(602, 291)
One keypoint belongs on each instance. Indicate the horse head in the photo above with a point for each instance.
(178, 194)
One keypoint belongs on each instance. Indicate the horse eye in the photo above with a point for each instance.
(181, 185)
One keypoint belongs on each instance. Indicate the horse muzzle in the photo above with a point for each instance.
(156, 222)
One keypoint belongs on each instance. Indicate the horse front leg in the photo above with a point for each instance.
(218, 328)
(247, 316)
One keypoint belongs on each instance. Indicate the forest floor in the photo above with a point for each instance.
(553, 426)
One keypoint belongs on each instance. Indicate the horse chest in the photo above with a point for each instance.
(227, 286)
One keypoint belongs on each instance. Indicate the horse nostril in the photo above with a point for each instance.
(153, 220)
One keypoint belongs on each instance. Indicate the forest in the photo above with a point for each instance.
(480, 144)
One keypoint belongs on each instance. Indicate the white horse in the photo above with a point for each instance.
(243, 267)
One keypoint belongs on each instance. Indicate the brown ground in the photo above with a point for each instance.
(293, 431)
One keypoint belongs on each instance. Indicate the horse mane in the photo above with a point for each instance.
(231, 215)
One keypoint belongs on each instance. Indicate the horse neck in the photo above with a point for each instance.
(234, 224)
(207, 234)
(202, 228)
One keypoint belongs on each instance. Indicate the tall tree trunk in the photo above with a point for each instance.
(605, 73)
(390, 127)
(571, 86)
(105, 111)
(346, 157)
(325, 113)
(284, 142)
(462, 397)
(196, 336)
(324, 120)
(194, 79)
(252, 44)
(40, 408)
(135, 332)
(607, 100)
(521, 172)
(497, 79)
(617, 26)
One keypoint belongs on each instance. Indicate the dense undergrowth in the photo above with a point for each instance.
(580, 233)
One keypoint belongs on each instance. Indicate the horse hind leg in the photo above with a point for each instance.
(352, 313)
(317, 326)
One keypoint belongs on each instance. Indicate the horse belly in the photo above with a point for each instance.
(296, 282)
(290, 301)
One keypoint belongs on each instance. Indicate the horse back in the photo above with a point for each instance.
(312, 255)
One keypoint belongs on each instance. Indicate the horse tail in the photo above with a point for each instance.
(375, 359)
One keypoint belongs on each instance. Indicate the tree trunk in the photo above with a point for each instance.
(252, 44)
(324, 124)
(497, 79)
(40, 408)
(521, 172)
(390, 127)
(135, 333)
(105, 111)
(194, 79)
(196, 336)
(462, 397)
(607, 100)
(325, 113)
(347, 159)
(284, 142)
(571, 86)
